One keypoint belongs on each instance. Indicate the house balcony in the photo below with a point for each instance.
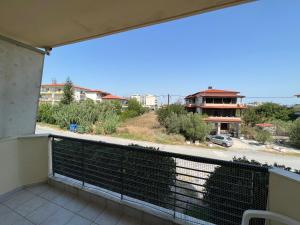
(217, 106)
(60, 180)
(223, 119)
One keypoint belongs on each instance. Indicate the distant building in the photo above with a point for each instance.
(52, 93)
(110, 97)
(148, 100)
(223, 108)
(254, 104)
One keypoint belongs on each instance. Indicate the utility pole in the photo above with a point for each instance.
(168, 99)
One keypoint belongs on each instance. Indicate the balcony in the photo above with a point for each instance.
(59, 180)
(217, 106)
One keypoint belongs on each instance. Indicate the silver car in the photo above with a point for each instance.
(223, 140)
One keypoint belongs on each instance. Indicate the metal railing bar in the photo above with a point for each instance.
(177, 155)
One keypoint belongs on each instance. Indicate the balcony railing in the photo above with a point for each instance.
(190, 188)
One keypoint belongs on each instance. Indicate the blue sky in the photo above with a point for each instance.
(253, 48)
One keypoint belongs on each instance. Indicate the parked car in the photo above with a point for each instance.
(223, 140)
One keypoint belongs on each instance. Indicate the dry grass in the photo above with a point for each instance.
(147, 128)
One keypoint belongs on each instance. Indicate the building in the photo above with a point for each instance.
(148, 100)
(223, 108)
(110, 97)
(52, 93)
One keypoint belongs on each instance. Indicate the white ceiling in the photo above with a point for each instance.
(51, 23)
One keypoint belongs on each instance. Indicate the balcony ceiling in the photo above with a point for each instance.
(51, 23)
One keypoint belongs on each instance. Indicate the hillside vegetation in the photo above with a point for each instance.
(147, 128)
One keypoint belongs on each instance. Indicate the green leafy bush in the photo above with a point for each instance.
(282, 128)
(263, 136)
(268, 112)
(295, 133)
(108, 124)
(194, 127)
(45, 113)
(191, 126)
(134, 109)
(248, 132)
(164, 112)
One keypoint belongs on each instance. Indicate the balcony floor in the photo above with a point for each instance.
(46, 205)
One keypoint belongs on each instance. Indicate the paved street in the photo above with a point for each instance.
(261, 156)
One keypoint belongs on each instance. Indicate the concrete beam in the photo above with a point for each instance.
(20, 80)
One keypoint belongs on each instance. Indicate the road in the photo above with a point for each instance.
(226, 154)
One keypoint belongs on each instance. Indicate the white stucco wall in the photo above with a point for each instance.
(23, 161)
(20, 80)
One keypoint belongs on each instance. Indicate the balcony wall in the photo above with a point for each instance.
(284, 194)
(23, 161)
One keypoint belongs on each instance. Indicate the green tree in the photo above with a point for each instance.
(191, 126)
(251, 117)
(68, 95)
(295, 133)
(134, 105)
(275, 111)
(46, 112)
(263, 136)
(194, 127)
(134, 109)
(164, 112)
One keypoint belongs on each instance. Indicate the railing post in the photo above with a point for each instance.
(175, 195)
(52, 146)
(83, 163)
(122, 175)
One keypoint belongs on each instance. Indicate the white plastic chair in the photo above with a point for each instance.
(260, 214)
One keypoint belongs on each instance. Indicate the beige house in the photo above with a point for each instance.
(52, 93)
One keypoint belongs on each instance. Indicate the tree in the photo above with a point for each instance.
(193, 127)
(295, 133)
(275, 111)
(164, 112)
(263, 136)
(250, 117)
(134, 105)
(268, 112)
(134, 109)
(68, 95)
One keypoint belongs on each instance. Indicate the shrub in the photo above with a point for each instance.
(173, 123)
(164, 112)
(45, 113)
(191, 126)
(134, 109)
(263, 136)
(295, 133)
(108, 124)
(248, 132)
(282, 128)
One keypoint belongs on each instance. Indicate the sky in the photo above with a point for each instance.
(253, 48)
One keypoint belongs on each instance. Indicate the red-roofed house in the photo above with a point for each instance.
(53, 93)
(223, 108)
(110, 97)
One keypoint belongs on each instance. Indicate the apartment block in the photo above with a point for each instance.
(52, 93)
(148, 100)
